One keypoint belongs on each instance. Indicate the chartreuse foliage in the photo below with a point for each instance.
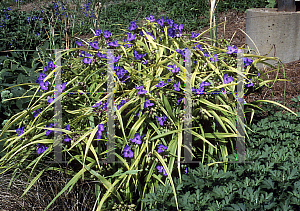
(271, 182)
(149, 75)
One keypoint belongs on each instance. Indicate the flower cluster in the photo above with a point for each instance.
(201, 88)
(161, 148)
(173, 68)
(148, 103)
(67, 138)
(121, 73)
(161, 120)
(123, 102)
(232, 49)
(137, 139)
(20, 131)
(141, 91)
(41, 148)
(100, 130)
(40, 80)
(127, 152)
(247, 61)
(161, 170)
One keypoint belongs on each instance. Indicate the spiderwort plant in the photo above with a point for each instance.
(148, 96)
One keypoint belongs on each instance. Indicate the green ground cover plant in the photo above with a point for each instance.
(270, 183)
(149, 59)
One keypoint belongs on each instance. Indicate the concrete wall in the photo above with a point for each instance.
(267, 28)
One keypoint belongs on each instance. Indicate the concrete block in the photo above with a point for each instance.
(269, 28)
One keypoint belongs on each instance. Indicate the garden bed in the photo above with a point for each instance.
(235, 20)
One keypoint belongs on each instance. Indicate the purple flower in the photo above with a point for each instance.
(180, 27)
(100, 55)
(20, 131)
(147, 103)
(62, 87)
(141, 91)
(45, 69)
(174, 69)
(123, 102)
(182, 52)
(130, 37)
(204, 84)
(215, 58)
(206, 54)
(249, 83)
(120, 72)
(79, 43)
(258, 74)
(106, 34)
(139, 113)
(175, 26)
(67, 138)
(67, 127)
(161, 148)
(165, 173)
(160, 168)
(98, 32)
(247, 61)
(232, 49)
(44, 85)
(128, 45)
(36, 113)
(179, 100)
(50, 100)
(41, 148)
(94, 45)
(161, 120)
(138, 56)
(116, 59)
(161, 84)
(171, 32)
(186, 170)
(136, 139)
(194, 35)
(113, 44)
(96, 105)
(199, 47)
(50, 65)
(227, 79)
(160, 21)
(87, 60)
(150, 18)
(170, 22)
(200, 90)
(50, 131)
(127, 153)
(132, 26)
(177, 86)
(100, 130)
